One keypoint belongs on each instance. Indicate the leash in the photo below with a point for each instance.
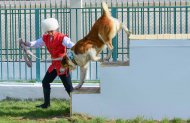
(27, 59)
(27, 52)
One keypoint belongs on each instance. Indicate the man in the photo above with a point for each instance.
(56, 44)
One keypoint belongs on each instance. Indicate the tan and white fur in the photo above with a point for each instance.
(101, 35)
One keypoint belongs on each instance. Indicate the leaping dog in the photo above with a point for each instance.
(88, 48)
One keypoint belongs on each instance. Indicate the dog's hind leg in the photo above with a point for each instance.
(93, 55)
(108, 43)
(83, 72)
(110, 50)
(126, 29)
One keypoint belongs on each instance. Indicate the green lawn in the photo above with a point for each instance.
(16, 111)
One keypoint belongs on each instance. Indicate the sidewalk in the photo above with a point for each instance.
(34, 90)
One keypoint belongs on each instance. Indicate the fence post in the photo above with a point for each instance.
(37, 28)
(76, 24)
(1, 58)
(76, 20)
(115, 39)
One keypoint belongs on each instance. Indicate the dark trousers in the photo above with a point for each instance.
(66, 80)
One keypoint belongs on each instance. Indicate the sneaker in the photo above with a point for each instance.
(43, 106)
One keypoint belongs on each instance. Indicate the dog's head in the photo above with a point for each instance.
(67, 63)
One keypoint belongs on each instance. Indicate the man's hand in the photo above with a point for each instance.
(27, 43)
(21, 42)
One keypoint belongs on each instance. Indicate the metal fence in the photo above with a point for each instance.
(23, 20)
(25, 23)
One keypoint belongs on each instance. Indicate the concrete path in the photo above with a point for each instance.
(34, 90)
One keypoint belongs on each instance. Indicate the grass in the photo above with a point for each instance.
(22, 111)
(17, 111)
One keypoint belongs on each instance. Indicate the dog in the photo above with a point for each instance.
(88, 48)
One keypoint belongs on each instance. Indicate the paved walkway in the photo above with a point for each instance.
(34, 90)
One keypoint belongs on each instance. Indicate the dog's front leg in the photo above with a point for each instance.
(92, 54)
(83, 72)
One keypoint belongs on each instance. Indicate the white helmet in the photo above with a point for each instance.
(49, 24)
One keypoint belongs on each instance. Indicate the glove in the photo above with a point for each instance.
(21, 41)
(27, 43)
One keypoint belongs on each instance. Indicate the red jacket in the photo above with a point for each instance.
(56, 49)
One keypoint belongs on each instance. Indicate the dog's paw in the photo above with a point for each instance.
(129, 33)
(101, 60)
(77, 87)
(106, 59)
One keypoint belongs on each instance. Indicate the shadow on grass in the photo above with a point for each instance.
(27, 110)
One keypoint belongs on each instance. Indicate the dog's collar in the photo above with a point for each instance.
(73, 60)
(71, 57)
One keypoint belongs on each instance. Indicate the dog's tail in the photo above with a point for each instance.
(105, 9)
